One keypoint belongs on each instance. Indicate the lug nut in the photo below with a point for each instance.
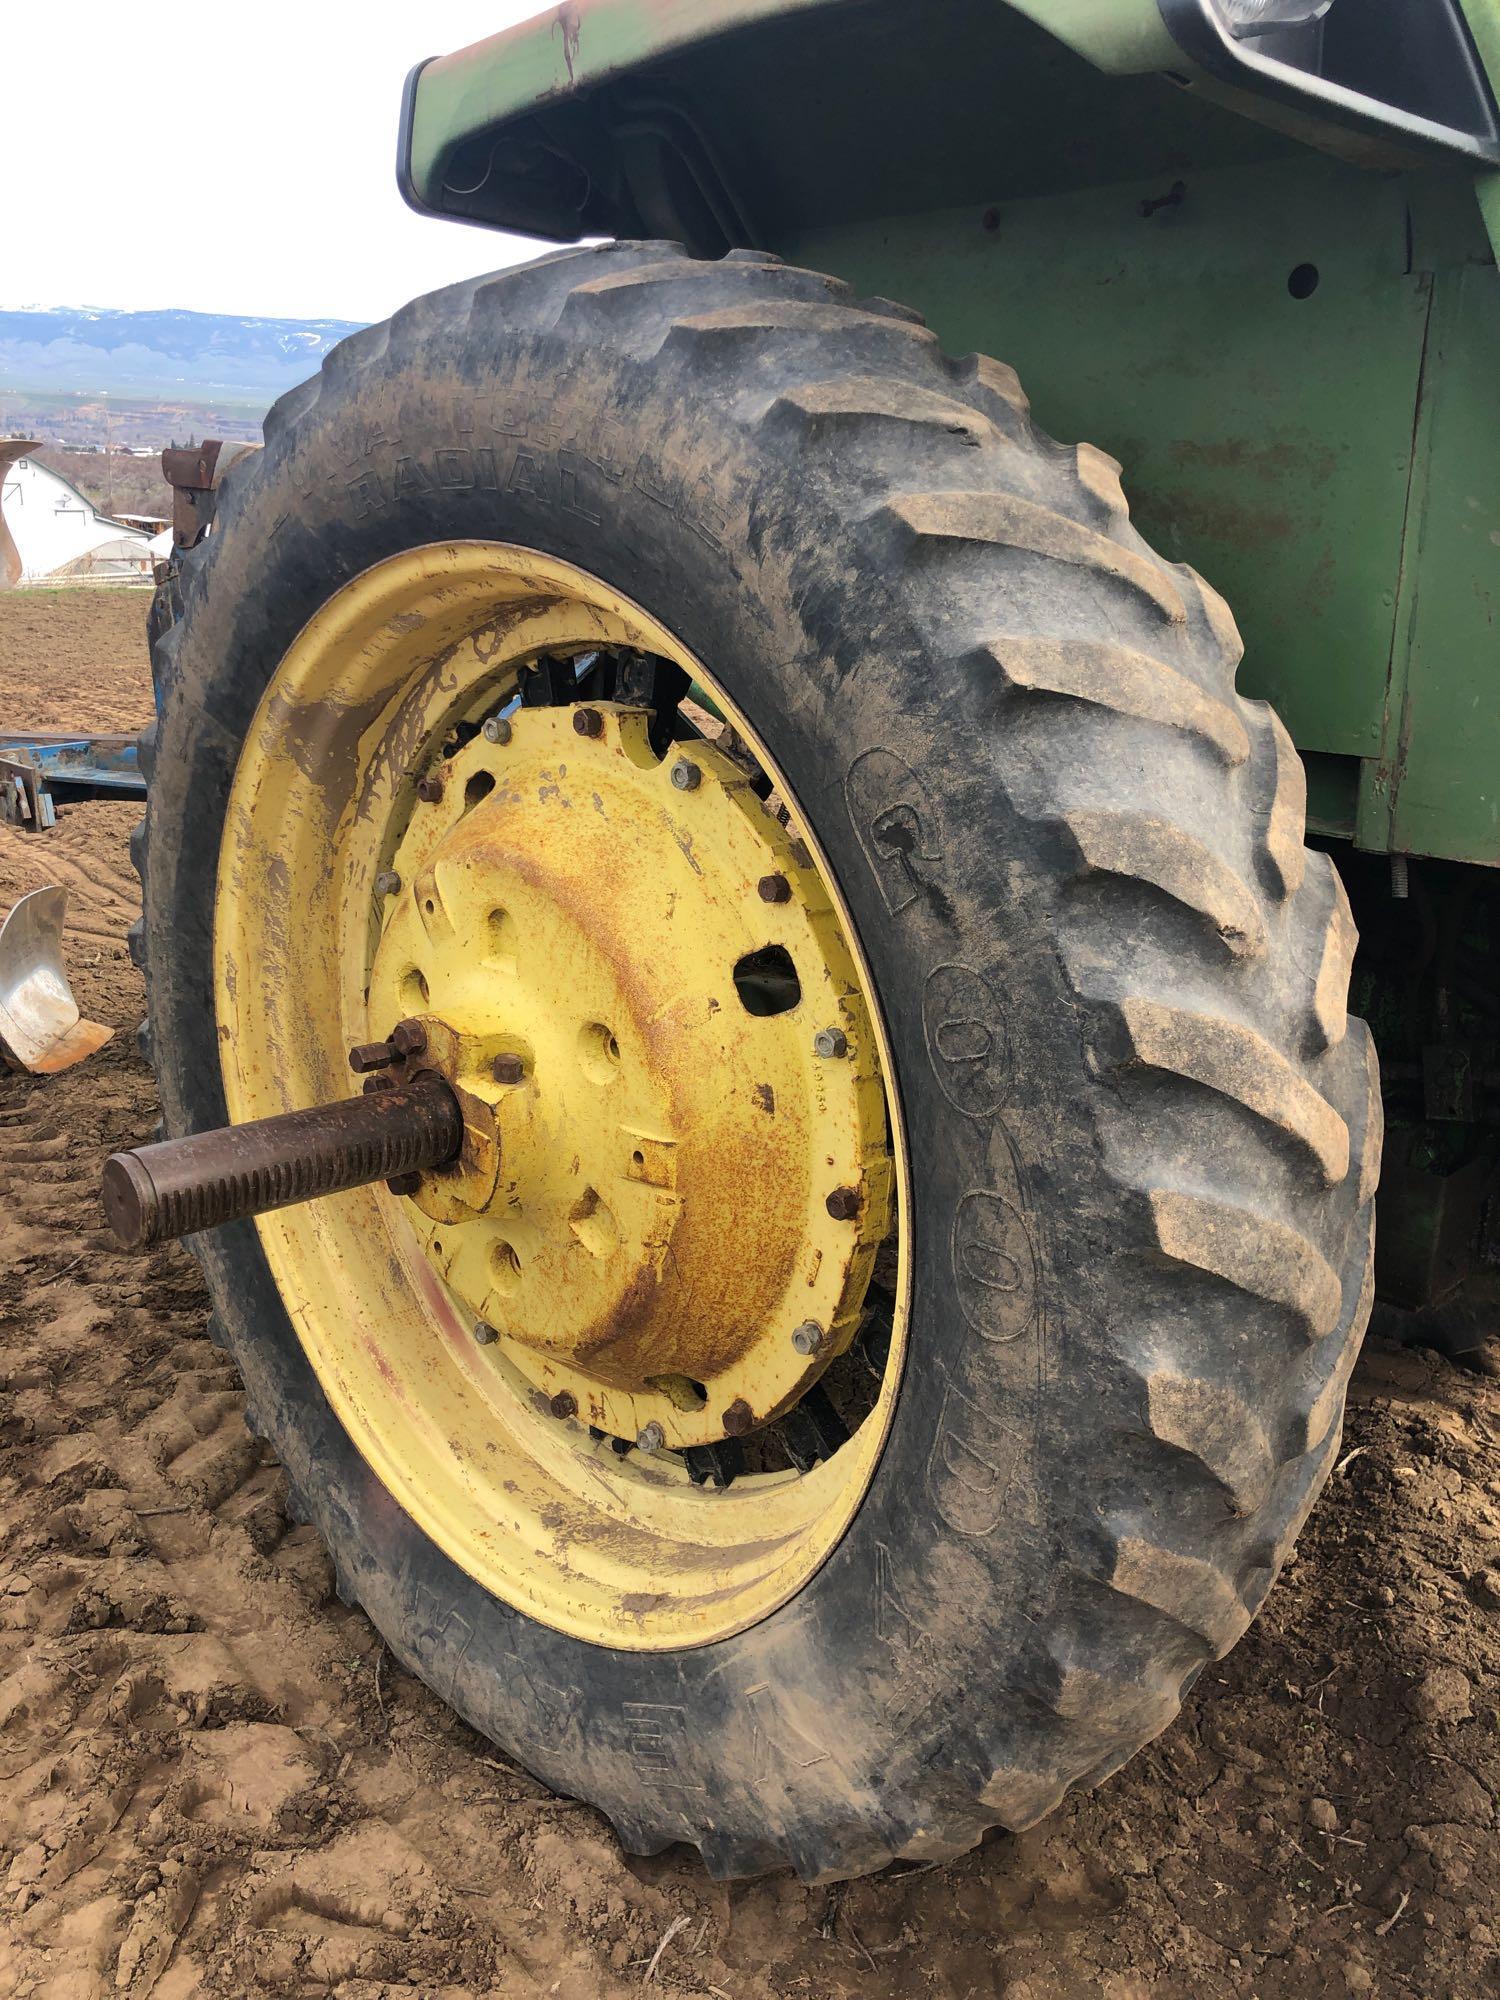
(404, 1184)
(387, 882)
(830, 1042)
(484, 1333)
(843, 1204)
(808, 1337)
(774, 889)
(651, 1438)
(686, 776)
(409, 1038)
(563, 1404)
(495, 729)
(365, 1056)
(508, 1069)
(430, 788)
(588, 722)
(738, 1418)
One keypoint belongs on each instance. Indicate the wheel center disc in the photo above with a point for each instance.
(628, 965)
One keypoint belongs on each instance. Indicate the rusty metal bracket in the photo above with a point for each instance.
(193, 472)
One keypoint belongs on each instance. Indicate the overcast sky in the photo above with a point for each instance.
(291, 206)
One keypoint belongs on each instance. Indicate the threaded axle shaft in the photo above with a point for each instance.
(180, 1186)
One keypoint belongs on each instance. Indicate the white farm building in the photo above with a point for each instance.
(57, 533)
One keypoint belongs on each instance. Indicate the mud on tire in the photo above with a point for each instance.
(1144, 1135)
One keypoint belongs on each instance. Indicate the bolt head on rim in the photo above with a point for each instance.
(408, 1039)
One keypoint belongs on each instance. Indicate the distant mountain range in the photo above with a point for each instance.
(184, 356)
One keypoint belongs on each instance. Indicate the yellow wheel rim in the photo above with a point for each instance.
(681, 1154)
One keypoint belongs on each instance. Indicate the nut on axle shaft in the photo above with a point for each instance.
(180, 1186)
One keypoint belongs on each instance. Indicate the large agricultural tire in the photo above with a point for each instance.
(1143, 1133)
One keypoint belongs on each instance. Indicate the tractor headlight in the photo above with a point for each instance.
(1263, 17)
(1354, 68)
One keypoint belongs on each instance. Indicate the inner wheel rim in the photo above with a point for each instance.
(679, 1173)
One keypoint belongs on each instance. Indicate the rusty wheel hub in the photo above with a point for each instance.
(668, 1199)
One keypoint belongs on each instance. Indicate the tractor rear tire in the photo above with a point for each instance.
(1144, 1134)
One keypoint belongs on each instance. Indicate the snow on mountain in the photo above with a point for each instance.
(94, 349)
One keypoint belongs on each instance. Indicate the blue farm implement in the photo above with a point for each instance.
(40, 768)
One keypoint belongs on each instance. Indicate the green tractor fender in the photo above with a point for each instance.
(1271, 294)
(487, 133)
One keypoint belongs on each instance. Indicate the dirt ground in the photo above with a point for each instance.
(74, 659)
(212, 1779)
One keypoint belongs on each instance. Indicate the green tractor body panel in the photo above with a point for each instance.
(578, 48)
(1282, 315)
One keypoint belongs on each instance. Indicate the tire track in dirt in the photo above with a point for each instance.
(102, 901)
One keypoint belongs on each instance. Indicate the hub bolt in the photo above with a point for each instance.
(387, 882)
(430, 788)
(495, 729)
(738, 1418)
(652, 1437)
(686, 776)
(509, 1069)
(774, 889)
(588, 722)
(563, 1404)
(379, 1082)
(404, 1184)
(808, 1337)
(830, 1042)
(843, 1204)
(365, 1056)
(409, 1038)
(484, 1333)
